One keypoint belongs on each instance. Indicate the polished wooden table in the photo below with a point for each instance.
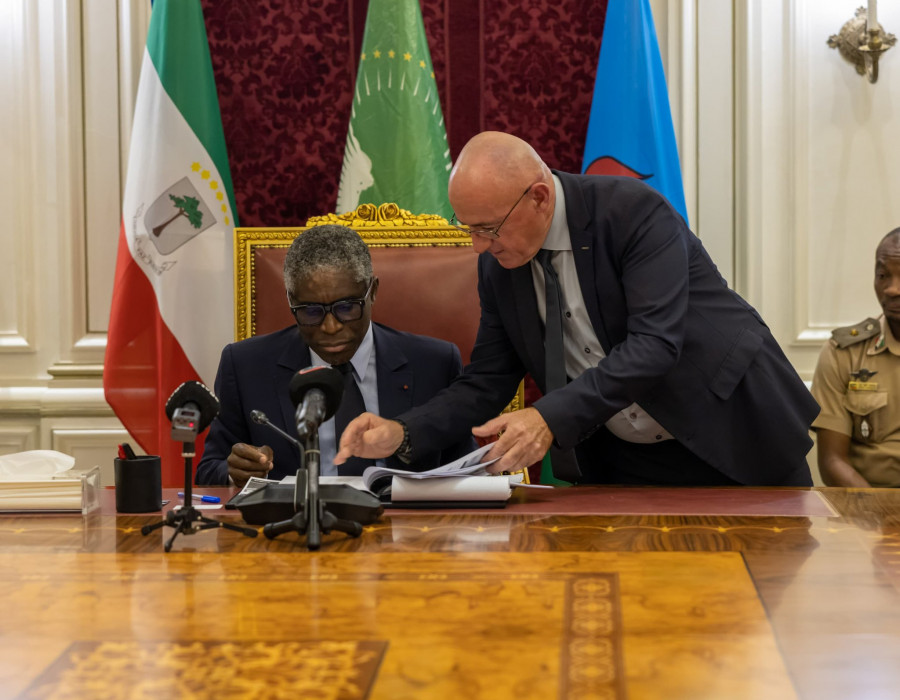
(573, 593)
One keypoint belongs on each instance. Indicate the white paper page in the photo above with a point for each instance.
(354, 481)
(468, 488)
(470, 464)
(254, 483)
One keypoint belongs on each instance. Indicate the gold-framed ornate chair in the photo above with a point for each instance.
(427, 268)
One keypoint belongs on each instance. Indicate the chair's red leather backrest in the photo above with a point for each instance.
(429, 290)
(270, 311)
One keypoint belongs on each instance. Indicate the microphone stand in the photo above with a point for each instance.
(312, 516)
(189, 519)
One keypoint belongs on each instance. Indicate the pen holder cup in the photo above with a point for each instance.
(138, 484)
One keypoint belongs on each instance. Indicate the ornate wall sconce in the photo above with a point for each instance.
(862, 41)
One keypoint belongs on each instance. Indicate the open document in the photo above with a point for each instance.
(469, 465)
(464, 481)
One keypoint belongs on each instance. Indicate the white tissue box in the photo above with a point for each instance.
(72, 491)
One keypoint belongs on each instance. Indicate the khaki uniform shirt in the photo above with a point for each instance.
(868, 411)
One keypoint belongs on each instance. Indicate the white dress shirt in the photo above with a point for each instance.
(366, 375)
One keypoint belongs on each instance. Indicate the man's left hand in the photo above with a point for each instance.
(525, 439)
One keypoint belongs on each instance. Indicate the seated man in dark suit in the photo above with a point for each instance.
(331, 289)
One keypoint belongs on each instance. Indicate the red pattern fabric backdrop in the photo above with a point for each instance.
(285, 71)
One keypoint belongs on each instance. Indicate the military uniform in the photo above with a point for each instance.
(857, 384)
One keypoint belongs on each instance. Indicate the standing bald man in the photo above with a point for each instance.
(667, 377)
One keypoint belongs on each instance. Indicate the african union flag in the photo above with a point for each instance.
(397, 147)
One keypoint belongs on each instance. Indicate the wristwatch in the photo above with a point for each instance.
(404, 452)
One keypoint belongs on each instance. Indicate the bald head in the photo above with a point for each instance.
(505, 193)
(497, 165)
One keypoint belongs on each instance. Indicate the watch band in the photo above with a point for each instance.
(404, 452)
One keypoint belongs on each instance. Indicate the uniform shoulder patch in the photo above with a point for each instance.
(851, 335)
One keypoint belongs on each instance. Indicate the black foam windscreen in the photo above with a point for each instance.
(194, 394)
(329, 380)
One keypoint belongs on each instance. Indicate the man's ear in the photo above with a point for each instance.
(374, 289)
(542, 195)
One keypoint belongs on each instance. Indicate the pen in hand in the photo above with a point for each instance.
(204, 499)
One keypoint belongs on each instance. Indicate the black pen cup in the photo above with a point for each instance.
(138, 484)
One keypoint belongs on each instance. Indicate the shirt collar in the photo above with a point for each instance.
(360, 359)
(558, 235)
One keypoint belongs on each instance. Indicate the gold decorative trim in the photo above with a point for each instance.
(245, 241)
(389, 215)
(591, 665)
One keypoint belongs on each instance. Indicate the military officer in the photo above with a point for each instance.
(857, 384)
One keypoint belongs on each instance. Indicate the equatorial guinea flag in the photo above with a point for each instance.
(630, 129)
(396, 147)
(172, 297)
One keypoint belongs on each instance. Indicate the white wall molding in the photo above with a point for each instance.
(846, 177)
(90, 445)
(18, 437)
(683, 35)
(60, 187)
(764, 222)
(18, 73)
(676, 22)
(134, 23)
(816, 182)
(714, 221)
(102, 174)
(44, 401)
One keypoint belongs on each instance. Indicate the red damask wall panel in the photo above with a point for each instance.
(285, 71)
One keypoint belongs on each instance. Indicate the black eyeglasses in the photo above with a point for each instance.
(486, 231)
(344, 310)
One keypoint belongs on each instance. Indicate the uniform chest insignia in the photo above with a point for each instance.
(863, 374)
(864, 429)
(860, 381)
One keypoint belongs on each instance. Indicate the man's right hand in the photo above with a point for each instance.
(246, 461)
(370, 437)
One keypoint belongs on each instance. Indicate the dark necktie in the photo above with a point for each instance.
(351, 406)
(555, 359)
(565, 466)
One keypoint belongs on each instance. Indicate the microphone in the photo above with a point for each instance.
(316, 393)
(191, 408)
(262, 419)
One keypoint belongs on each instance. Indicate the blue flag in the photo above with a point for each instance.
(630, 130)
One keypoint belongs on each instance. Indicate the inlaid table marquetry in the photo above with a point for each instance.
(585, 592)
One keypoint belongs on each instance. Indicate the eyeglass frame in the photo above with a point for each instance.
(494, 233)
(329, 308)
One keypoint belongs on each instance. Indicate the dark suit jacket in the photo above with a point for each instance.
(255, 374)
(691, 352)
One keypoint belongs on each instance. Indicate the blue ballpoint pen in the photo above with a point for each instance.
(204, 499)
